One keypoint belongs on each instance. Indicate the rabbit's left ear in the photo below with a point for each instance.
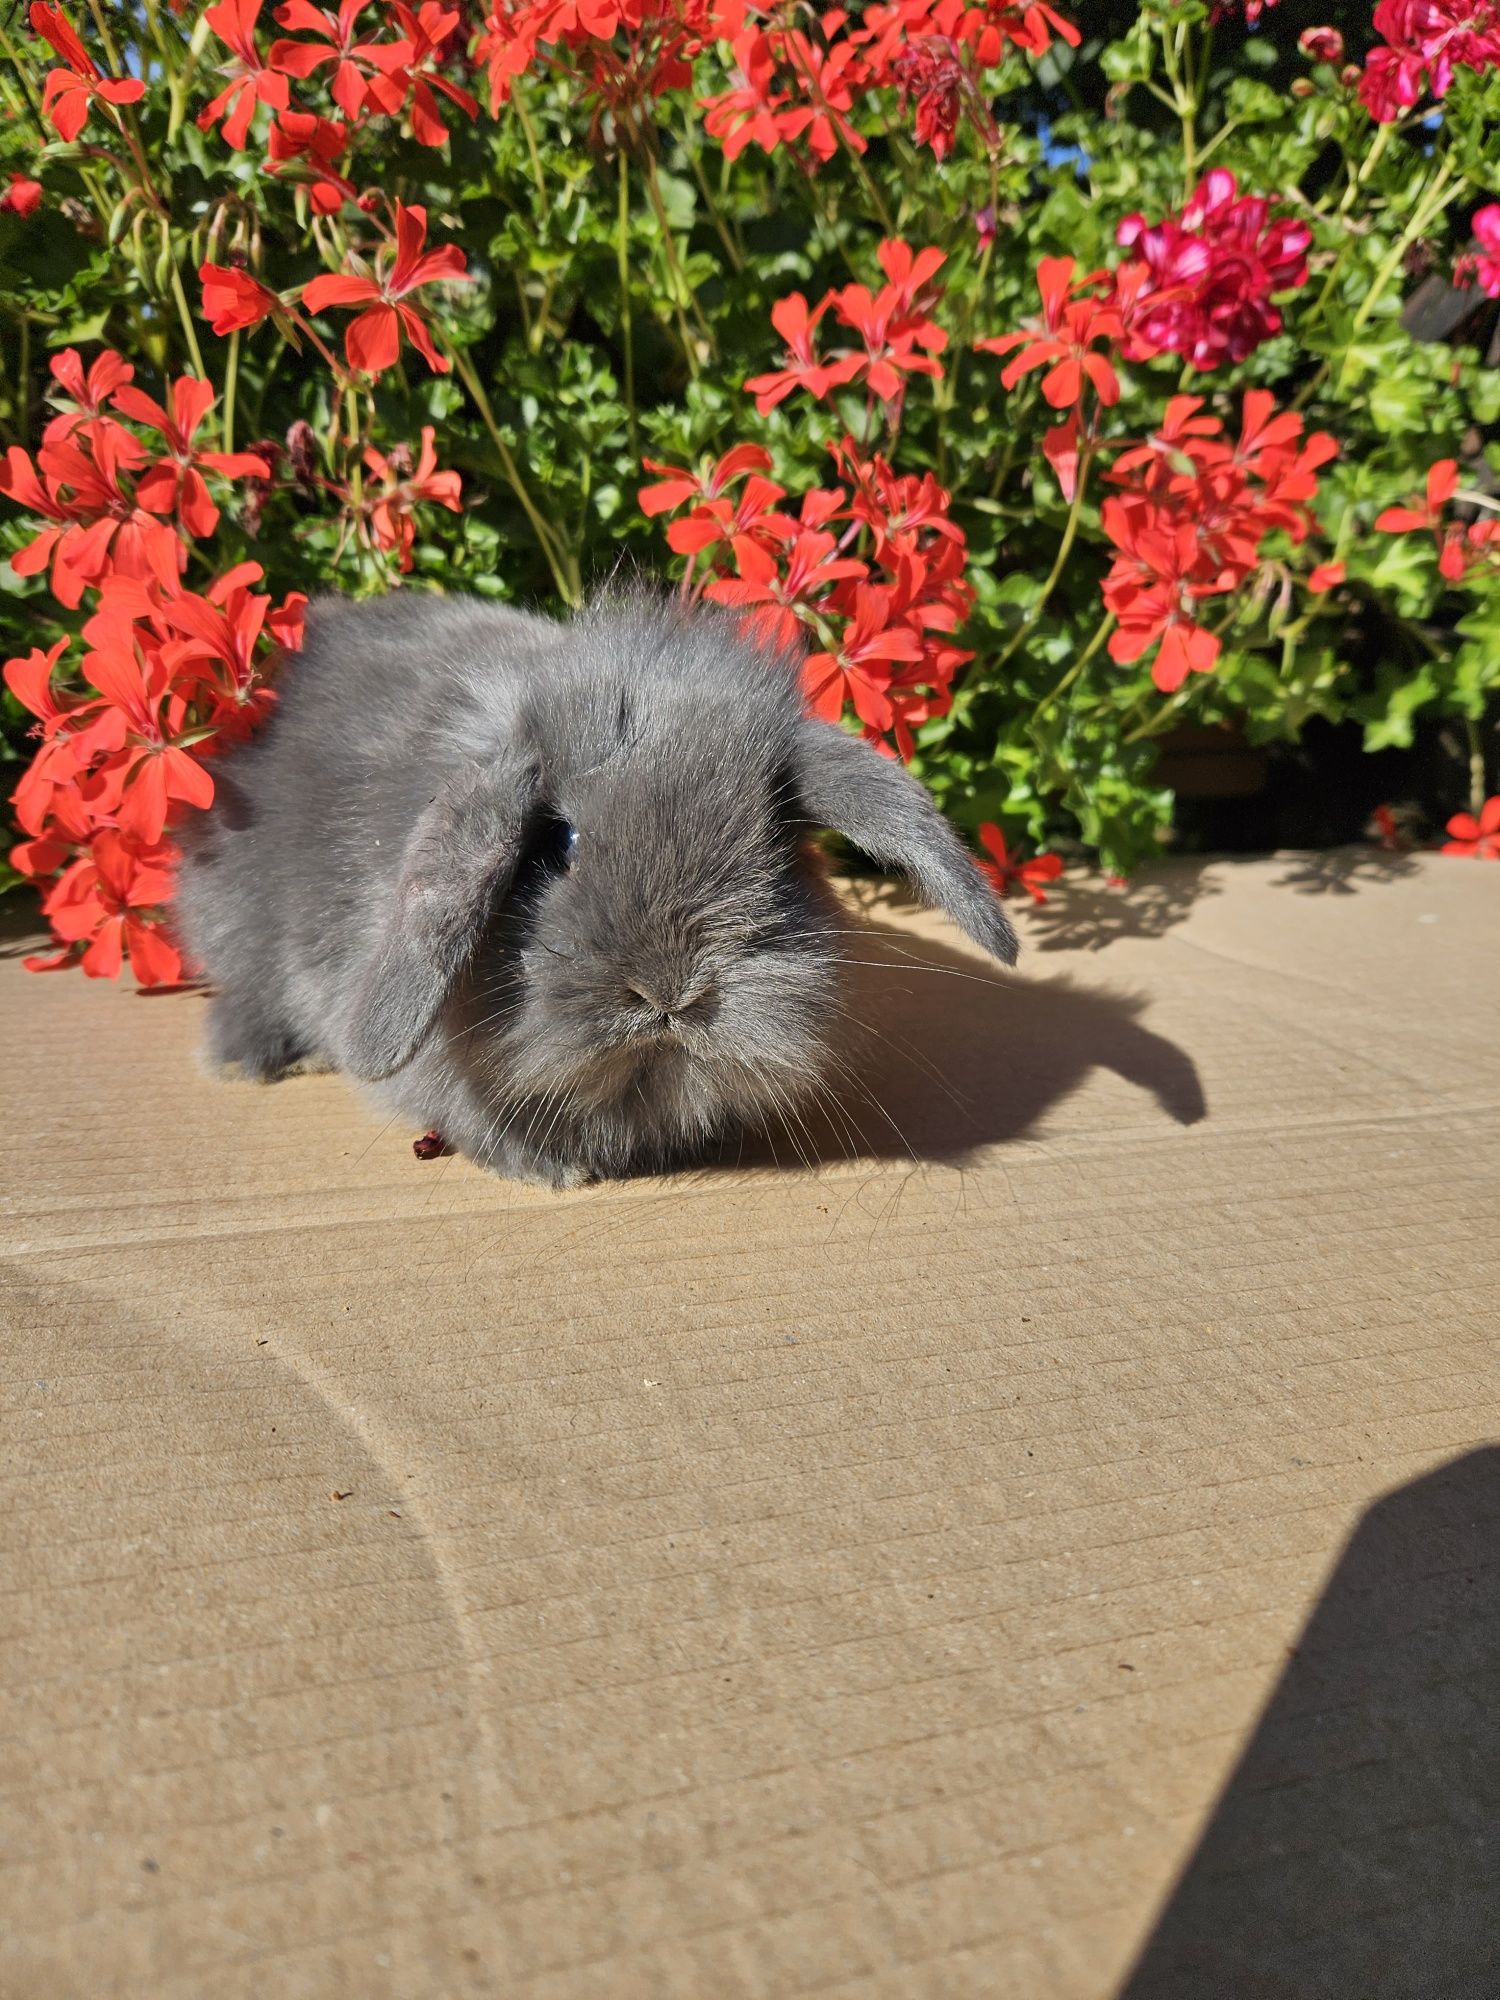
(461, 858)
(880, 807)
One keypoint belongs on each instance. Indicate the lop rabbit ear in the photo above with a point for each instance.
(463, 853)
(881, 808)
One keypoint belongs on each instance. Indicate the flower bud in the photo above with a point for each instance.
(302, 452)
(1321, 44)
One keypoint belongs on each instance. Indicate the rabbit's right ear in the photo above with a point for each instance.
(876, 803)
(463, 853)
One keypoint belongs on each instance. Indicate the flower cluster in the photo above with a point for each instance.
(386, 511)
(796, 88)
(1198, 284)
(869, 572)
(395, 77)
(1483, 265)
(400, 76)
(167, 673)
(70, 93)
(1464, 549)
(631, 51)
(1424, 42)
(380, 285)
(1189, 520)
(1205, 278)
(898, 335)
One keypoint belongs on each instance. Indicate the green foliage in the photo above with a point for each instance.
(622, 294)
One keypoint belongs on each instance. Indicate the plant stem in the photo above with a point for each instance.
(104, 35)
(627, 328)
(23, 77)
(25, 399)
(177, 90)
(531, 146)
(1476, 766)
(683, 289)
(190, 332)
(560, 560)
(732, 249)
(1168, 712)
(1064, 550)
(231, 384)
(1101, 632)
(877, 200)
(1177, 58)
(1427, 210)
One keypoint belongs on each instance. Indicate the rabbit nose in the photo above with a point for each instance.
(665, 1000)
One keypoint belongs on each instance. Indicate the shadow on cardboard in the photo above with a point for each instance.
(1084, 913)
(1355, 1852)
(944, 1056)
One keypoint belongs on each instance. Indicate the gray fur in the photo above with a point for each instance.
(364, 893)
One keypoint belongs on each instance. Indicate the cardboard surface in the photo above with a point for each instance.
(1058, 1561)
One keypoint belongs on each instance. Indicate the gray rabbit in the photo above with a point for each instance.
(547, 888)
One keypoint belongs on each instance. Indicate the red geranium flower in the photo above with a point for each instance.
(796, 325)
(175, 483)
(808, 565)
(84, 394)
(233, 299)
(1487, 267)
(859, 671)
(22, 197)
(1007, 874)
(427, 34)
(320, 143)
(68, 94)
(102, 901)
(223, 631)
(1203, 280)
(372, 341)
(1322, 44)
(148, 769)
(676, 487)
(364, 72)
(404, 489)
(1063, 343)
(1459, 547)
(1476, 837)
(891, 333)
(1425, 41)
(251, 81)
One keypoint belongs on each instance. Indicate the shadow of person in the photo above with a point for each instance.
(1355, 1852)
(942, 1056)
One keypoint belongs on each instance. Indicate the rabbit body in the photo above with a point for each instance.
(545, 888)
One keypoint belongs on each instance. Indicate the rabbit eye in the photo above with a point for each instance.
(553, 847)
(560, 844)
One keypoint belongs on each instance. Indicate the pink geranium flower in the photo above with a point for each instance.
(1207, 276)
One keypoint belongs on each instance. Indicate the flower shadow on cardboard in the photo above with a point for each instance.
(1353, 1852)
(944, 1054)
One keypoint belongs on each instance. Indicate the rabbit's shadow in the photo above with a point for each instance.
(940, 1056)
